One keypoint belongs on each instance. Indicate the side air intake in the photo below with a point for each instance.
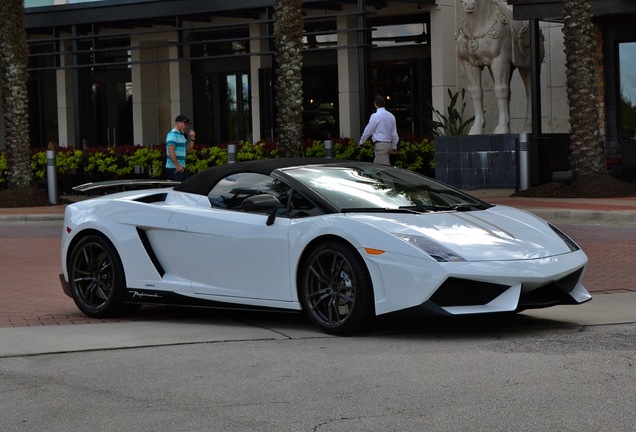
(151, 253)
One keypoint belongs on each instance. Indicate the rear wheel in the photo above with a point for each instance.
(96, 277)
(336, 290)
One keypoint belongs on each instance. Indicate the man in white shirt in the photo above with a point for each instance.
(382, 131)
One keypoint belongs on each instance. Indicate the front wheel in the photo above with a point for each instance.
(96, 277)
(336, 290)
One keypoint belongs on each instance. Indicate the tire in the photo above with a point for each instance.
(336, 290)
(96, 277)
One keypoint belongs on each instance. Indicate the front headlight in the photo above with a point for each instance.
(435, 250)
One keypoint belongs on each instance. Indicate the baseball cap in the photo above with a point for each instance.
(182, 118)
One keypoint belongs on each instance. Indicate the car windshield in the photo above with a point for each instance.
(379, 188)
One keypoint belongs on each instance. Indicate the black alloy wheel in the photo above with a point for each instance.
(96, 277)
(336, 290)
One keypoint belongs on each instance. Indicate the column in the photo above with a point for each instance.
(258, 44)
(443, 53)
(348, 78)
(152, 117)
(65, 102)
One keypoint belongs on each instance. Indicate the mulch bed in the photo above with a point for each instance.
(602, 186)
(24, 197)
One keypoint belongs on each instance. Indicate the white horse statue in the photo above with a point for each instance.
(489, 37)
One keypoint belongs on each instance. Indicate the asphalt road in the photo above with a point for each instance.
(518, 374)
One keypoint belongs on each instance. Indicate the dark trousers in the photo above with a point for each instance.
(172, 174)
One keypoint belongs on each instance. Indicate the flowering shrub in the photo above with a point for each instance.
(418, 155)
(76, 166)
(414, 154)
(202, 157)
(146, 159)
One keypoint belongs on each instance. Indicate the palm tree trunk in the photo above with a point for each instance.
(288, 34)
(586, 152)
(15, 99)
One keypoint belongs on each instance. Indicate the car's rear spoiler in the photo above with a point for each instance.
(112, 186)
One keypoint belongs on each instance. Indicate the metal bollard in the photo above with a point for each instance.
(51, 176)
(524, 162)
(231, 153)
(328, 148)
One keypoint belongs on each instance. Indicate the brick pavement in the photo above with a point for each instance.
(32, 296)
(612, 265)
(30, 288)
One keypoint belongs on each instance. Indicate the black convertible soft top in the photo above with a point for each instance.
(202, 182)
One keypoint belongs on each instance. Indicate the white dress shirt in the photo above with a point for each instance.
(382, 128)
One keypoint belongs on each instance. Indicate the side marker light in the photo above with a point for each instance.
(372, 251)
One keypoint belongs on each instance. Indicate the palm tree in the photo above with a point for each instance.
(288, 34)
(586, 153)
(15, 100)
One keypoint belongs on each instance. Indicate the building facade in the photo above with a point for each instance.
(114, 72)
(615, 51)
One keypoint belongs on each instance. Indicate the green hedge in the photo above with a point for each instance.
(96, 164)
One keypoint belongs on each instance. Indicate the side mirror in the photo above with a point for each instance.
(262, 204)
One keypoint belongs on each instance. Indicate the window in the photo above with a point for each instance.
(320, 105)
(301, 206)
(230, 192)
(400, 34)
(627, 56)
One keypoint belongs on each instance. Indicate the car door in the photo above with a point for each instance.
(231, 253)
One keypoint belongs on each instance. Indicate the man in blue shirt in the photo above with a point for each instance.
(178, 143)
(383, 132)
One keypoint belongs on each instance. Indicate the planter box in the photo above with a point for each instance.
(477, 161)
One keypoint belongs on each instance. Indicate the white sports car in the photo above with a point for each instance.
(342, 241)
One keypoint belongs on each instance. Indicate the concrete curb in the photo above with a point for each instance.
(623, 217)
(17, 218)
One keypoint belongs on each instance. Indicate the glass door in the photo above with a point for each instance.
(107, 110)
(236, 115)
(406, 85)
(224, 114)
(627, 108)
(627, 119)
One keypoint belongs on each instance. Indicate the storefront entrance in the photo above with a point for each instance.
(406, 85)
(223, 112)
(106, 109)
(627, 108)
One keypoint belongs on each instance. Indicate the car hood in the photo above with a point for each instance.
(498, 233)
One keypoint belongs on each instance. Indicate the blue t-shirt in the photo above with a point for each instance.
(179, 142)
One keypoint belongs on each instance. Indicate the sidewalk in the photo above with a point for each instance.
(211, 327)
(620, 211)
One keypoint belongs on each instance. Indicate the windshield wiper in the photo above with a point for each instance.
(450, 207)
(416, 209)
(468, 206)
(380, 210)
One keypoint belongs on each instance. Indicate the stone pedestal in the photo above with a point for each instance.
(477, 161)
